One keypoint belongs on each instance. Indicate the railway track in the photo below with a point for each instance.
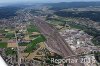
(54, 40)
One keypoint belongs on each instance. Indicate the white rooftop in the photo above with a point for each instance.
(2, 62)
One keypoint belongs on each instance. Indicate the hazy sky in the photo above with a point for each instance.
(35, 1)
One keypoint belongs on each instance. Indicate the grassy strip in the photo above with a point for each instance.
(3, 45)
(96, 41)
(3, 31)
(56, 21)
(32, 28)
(23, 44)
(10, 35)
(33, 36)
(10, 51)
(97, 56)
(34, 42)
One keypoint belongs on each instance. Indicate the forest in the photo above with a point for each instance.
(8, 12)
(65, 5)
(92, 15)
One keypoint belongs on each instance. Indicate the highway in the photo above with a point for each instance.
(54, 40)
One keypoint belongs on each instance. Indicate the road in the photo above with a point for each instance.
(17, 50)
(54, 40)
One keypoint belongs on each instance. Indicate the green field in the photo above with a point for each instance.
(3, 45)
(10, 51)
(10, 35)
(32, 28)
(23, 44)
(54, 22)
(58, 21)
(33, 36)
(3, 31)
(96, 41)
(34, 42)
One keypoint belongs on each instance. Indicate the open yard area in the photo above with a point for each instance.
(3, 31)
(32, 28)
(34, 42)
(10, 35)
(3, 44)
(10, 51)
